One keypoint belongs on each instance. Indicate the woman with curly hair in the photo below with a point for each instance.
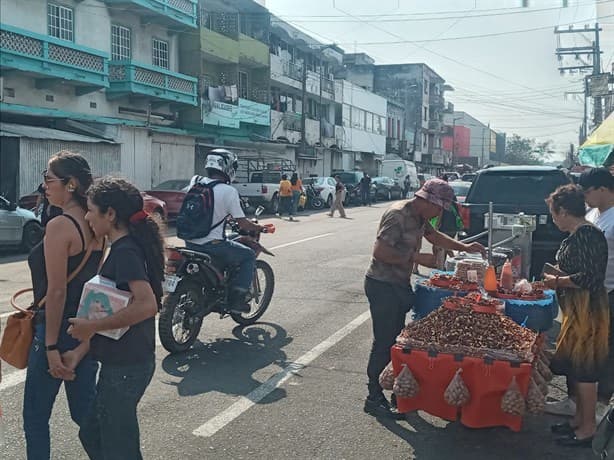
(136, 264)
(582, 345)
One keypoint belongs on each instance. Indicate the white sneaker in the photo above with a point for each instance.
(601, 411)
(565, 407)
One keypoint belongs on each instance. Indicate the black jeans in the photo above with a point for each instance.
(111, 432)
(389, 304)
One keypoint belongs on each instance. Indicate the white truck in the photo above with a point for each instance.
(399, 169)
(258, 181)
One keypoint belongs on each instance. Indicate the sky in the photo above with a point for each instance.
(499, 57)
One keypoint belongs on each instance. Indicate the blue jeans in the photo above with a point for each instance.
(111, 431)
(285, 205)
(41, 390)
(231, 254)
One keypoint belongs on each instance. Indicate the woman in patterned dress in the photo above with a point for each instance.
(582, 345)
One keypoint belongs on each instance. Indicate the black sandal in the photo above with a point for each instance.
(562, 428)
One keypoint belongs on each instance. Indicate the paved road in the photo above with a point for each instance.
(289, 387)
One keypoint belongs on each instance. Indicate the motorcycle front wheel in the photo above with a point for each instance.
(178, 327)
(261, 293)
(317, 203)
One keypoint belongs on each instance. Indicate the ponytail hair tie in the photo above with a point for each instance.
(138, 216)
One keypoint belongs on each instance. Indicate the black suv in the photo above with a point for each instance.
(515, 189)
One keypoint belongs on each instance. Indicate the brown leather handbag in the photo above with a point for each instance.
(19, 329)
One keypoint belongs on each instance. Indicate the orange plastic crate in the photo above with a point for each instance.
(487, 381)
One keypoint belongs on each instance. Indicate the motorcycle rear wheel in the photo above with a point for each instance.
(177, 328)
(261, 295)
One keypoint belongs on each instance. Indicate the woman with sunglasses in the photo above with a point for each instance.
(51, 262)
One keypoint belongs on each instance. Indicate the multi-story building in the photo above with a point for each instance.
(363, 129)
(107, 71)
(419, 90)
(305, 97)
(469, 140)
(230, 55)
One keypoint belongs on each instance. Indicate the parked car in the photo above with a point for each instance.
(325, 186)
(461, 188)
(172, 192)
(450, 176)
(423, 178)
(516, 189)
(351, 179)
(387, 188)
(262, 189)
(18, 227)
(151, 204)
(469, 177)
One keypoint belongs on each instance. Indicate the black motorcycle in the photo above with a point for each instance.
(313, 198)
(196, 287)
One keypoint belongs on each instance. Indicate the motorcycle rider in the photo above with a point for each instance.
(221, 165)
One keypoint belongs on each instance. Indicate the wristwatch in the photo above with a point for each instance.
(51, 347)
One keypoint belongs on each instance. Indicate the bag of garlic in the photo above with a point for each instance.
(536, 401)
(513, 402)
(457, 394)
(405, 385)
(386, 378)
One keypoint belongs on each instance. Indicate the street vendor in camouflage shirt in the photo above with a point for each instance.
(387, 282)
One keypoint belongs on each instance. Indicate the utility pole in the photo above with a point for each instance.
(304, 109)
(594, 51)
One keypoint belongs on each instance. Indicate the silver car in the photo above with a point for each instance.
(18, 227)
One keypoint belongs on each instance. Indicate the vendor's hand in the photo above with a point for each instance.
(475, 247)
(57, 369)
(550, 281)
(81, 329)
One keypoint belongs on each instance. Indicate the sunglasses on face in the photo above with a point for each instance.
(47, 178)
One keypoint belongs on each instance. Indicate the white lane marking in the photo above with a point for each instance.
(300, 241)
(246, 402)
(12, 379)
(17, 377)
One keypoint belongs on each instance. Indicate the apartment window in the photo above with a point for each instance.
(399, 129)
(426, 114)
(426, 86)
(60, 23)
(120, 43)
(160, 53)
(424, 140)
(347, 120)
(369, 124)
(382, 125)
(389, 129)
(243, 85)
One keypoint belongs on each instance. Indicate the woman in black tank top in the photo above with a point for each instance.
(51, 360)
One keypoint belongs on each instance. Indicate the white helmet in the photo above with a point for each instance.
(223, 161)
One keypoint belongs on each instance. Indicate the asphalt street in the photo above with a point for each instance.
(291, 386)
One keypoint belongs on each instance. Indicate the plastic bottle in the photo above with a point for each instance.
(507, 277)
(490, 279)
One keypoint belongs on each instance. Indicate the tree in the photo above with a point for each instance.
(524, 151)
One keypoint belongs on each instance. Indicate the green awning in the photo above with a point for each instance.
(595, 155)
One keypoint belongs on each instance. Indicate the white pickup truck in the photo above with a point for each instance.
(262, 188)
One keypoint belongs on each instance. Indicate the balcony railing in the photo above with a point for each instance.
(129, 77)
(328, 85)
(183, 12)
(51, 58)
(435, 126)
(292, 70)
(292, 121)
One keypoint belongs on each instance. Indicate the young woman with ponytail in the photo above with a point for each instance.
(136, 264)
(62, 251)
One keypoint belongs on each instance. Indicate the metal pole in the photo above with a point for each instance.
(490, 231)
